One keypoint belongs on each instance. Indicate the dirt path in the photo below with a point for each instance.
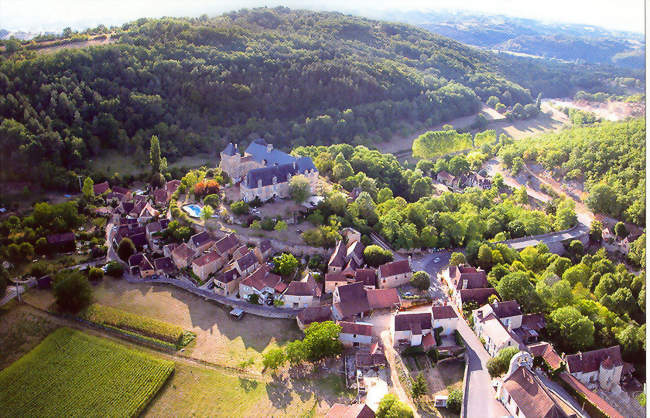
(397, 385)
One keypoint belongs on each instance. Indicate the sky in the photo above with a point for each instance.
(54, 15)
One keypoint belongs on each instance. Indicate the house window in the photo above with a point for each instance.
(516, 411)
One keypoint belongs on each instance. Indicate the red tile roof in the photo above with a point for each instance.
(506, 309)
(443, 312)
(100, 188)
(226, 243)
(261, 278)
(350, 411)
(183, 251)
(428, 342)
(353, 300)
(308, 287)
(382, 298)
(335, 277)
(480, 296)
(367, 276)
(164, 264)
(546, 351)
(475, 278)
(355, 328)
(394, 268)
(530, 395)
(206, 259)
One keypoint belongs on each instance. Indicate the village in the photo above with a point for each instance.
(393, 332)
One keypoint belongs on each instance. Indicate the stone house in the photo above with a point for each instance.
(354, 334)
(604, 366)
(394, 274)
(200, 242)
(182, 256)
(411, 327)
(164, 266)
(303, 294)
(207, 264)
(140, 265)
(246, 264)
(263, 250)
(313, 314)
(495, 334)
(444, 317)
(259, 282)
(227, 282)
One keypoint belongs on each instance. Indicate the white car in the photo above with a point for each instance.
(436, 260)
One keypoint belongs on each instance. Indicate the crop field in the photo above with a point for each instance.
(111, 317)
(74, 374)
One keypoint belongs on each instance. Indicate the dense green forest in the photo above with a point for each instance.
(399, 203)
(588, 300)
(609, 157)
(294, 77)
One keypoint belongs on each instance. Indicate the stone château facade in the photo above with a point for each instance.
(265, 172)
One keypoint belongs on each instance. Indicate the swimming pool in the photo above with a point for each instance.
(193, 210)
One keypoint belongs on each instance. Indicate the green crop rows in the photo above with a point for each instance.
(73, 374)
(105, 315)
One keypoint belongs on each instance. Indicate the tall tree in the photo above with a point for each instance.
(87, 189)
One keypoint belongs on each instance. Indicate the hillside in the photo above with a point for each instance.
(294, 77)
(569, 42)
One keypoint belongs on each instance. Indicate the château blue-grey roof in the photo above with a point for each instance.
(230, 149)
(259, 150)
(280, 172)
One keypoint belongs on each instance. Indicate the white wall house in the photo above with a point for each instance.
(445, 317)
(354, 334)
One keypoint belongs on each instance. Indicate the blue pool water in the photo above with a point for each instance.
(193, 210)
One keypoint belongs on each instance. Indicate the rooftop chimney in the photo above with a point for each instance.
(269, 147)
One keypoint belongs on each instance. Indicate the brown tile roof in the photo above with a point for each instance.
(546, 351)
(428, 342)
(475, 278)
(206, 259)
(590, 360)
(200, 239)
(261, 278)
(119, 189)
(406, 321)
(443, 312)
(246, 260)
(280, 287)
(591, 396)
(355, 249)
(164, 264)
(534, 321)
(480, 296)
(335, 277)
(382, 298)
(172, 185)
(337, 259)
(160, 196)
(226, 243)
(100, 188)
(355, 328)
(227, 276)
(506, 309)
(315, 314)
(350, 411)
(183, 251)
(307, 287)
(394, 268)
(530, 395)
(367, 276)
(353, 300)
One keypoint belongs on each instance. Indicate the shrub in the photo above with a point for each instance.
(390, 406)
(454, 401)
(268, 224)
(95, 274)
(72, 291)
(280, 226)
(239, 208)
(274, 358)
(114, 269)
(212, 200)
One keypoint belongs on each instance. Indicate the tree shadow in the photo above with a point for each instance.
(279, 395)
(248, 385)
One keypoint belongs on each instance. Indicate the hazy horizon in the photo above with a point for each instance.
(40, 16)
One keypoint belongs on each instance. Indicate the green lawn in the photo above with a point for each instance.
(197, 391)
(71, 373)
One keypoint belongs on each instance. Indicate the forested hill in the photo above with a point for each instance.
(294, 77)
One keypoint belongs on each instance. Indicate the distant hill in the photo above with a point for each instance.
(294, 77)
(569, 42)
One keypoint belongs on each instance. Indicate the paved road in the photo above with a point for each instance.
(481, 400)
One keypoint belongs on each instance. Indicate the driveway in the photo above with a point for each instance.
(433, 263)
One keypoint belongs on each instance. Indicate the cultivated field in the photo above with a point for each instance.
(72, 373)
(219, 338)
